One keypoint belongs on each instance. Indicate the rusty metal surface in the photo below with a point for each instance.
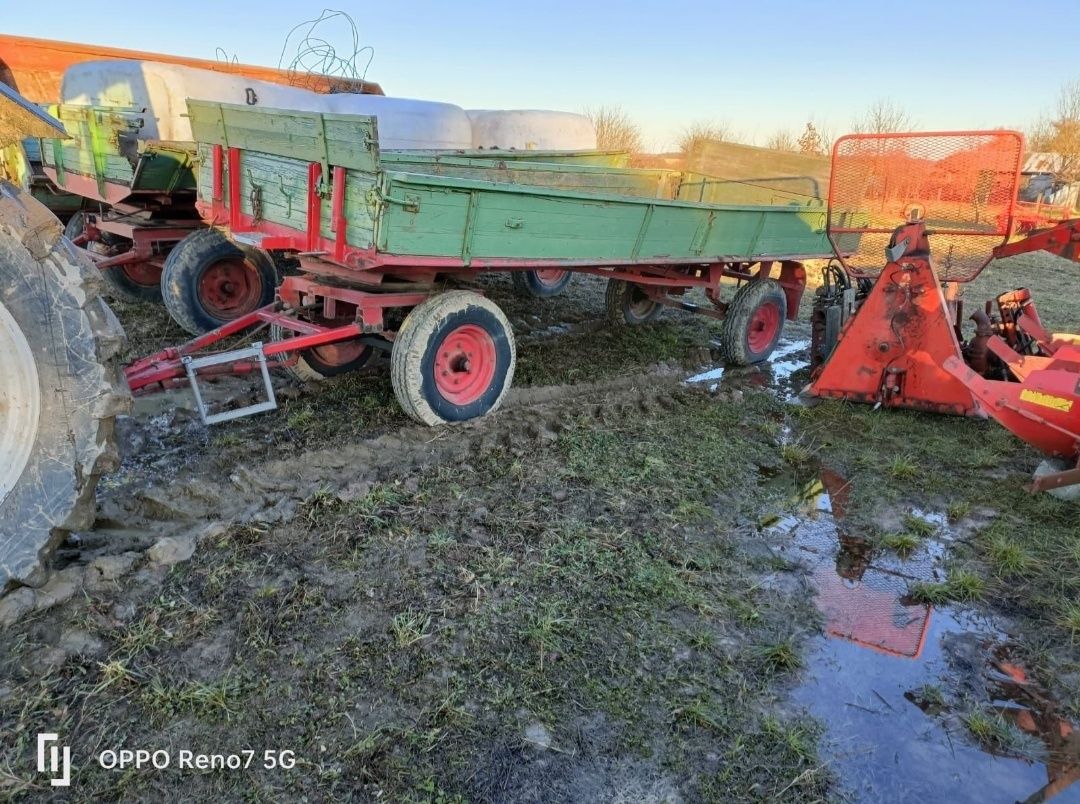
(35, 67)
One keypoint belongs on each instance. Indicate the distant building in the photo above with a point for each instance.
(1041, 184)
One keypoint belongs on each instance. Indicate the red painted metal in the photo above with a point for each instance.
(891, 353)
(229, 288)
(550, 276)
(35, 67)
(465, 364)
(166, 368)
(1043, 410)
(1063, 239)
(764, 326)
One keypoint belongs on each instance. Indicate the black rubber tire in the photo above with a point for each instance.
(527, 283)
(65, 341)
(188, 262)
(735, 338)
(120, 285)
(625, 304)
(309, 368)
(412, 369)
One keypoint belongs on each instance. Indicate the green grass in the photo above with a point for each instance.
(903, 543)
(402, 640)
(961, 586)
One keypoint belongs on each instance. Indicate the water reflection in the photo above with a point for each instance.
(887, 661)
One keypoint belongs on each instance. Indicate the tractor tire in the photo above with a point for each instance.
(754, 322)
(138, 282)
(453, 359)
(542, 283)
(59, 392)
(627, 305)
(320, 362)
(208, 280)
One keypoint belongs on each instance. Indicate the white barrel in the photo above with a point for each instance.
(531, 129)
(162, 91)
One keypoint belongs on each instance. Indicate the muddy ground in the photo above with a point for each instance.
(622, 587)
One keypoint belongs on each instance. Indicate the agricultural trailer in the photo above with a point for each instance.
(386, 242)
(889, 321)
(144, 191)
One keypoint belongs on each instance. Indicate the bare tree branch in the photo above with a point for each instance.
(615, 130)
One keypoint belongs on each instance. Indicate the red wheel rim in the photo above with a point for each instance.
(229, 288)
(338, 354)
(142, 273)
(549, 277)
(465, 364)
(764, 326)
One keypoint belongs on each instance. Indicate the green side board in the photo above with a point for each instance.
(612, 159)
(462, 207)
(579, 176)
(103, 145)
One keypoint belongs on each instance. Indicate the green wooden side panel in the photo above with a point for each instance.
(582, 177)
(614, 159)
(104, 145)
(349, 141)
(278, 186)
(164, 167)
(711, 190)
(457, 217)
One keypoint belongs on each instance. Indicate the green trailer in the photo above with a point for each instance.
(385, 243)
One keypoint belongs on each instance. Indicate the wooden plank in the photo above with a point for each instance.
(614, 159)
(280, 186)
(571, 176)
(525, 222)
(349, 141)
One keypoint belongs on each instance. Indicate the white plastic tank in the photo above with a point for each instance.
(531, 129)
(162, 90)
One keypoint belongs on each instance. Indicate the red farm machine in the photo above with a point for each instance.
(893, 335)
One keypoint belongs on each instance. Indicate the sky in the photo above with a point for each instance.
(755, 66)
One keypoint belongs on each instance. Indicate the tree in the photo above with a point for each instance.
(814, 142)
(697, 134)
(781, 140)
(883, 117)
(1060, 134)
(615, 130)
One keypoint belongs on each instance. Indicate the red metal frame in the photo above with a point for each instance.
(166, 367)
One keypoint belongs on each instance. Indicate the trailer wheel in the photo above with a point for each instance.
(320, 362)
(627, 304)
(453, 358)
(135, 282)
(208, 280)
(542, 283)
(59, 391)
(754, 322)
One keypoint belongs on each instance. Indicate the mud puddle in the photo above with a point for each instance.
(774, 374)
(919, 703)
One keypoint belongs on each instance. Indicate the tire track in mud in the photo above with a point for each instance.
(144, 531)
